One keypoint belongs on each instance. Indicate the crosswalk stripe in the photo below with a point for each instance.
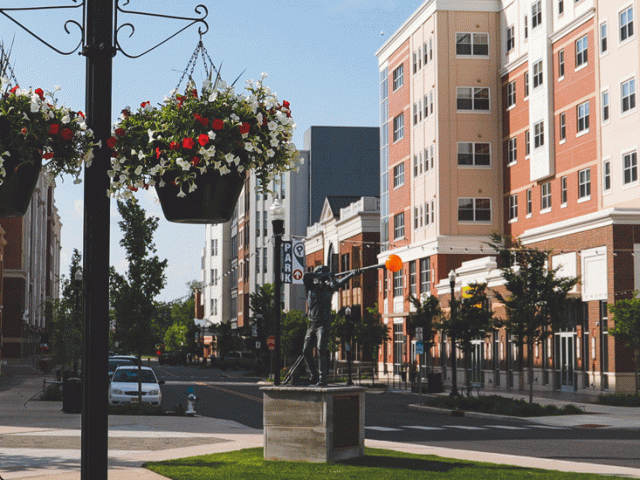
(384, 429)
(464, 427)
(506, 427)
(548, 427)
(420, 427)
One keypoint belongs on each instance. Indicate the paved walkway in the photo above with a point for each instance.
(38, 441)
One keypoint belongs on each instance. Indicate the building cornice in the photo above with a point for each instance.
(585, 17)
(442, 245)
(591, 221)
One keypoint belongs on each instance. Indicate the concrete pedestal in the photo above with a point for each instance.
(313, 424)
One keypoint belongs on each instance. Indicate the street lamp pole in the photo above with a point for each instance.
(454, 366)
(277, 221)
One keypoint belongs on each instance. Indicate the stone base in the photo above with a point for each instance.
(313, 424)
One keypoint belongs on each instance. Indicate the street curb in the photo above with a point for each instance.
(465, 413)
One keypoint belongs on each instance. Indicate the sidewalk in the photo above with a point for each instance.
(38, 441)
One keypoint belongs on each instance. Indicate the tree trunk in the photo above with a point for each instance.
(637, 369)
(530, 361)
(521, 364)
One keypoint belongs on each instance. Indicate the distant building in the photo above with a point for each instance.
(31, 272)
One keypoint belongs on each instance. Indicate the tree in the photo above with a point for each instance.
(423, 316)
(132, 294)
(66, 327)
(471, 321)
(626, 316)
(536, 300)
(294, 328)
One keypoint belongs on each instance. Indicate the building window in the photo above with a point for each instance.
(538, 135)
(512, 150)
(605, 106)
(258, 261)
(606, 175)
(398, 128)
(582, 46)
(630, 167)
(415, 62)
(214, 247)
(214, 276)
(563, 190)
(513, 207)
(526, 84)
(426, 106)
(527, 143)
(426, 213)
(583, 117)
(258, 226)
(560, 64)
(529, 202)
(472, 44)
(425, 59)
(398, 283)
(545, 196)
(511, 94)
(398, 77)
(474, 209)
(398, 225)
(628, 95)
(415, 218)
(413, 277)
(584, 184)
(526, 27)
(425, 275)
(415, 113)
(603, 37)
(511, 39)
(474, 154)
(398, 175)
(536, 14)
(473, 98)
(560, 7)
(563, 127)
(626, 24)
(214, 306)
(537, 74)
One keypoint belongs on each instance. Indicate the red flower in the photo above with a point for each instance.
(194, 92)
(111, 142)
(80, 114)
(119, 132)
(24, 130)
(203, 139)
(48, 156)
(67, 134)
(244, 128)
(174, 146)
(285, 104)
(40, 93)
(13, 90)
(54, 128)
(114, 153)
(203, 121)
(188, 143)
(125, 113)
(217, 124)
(158, 152)
(195, 161)
(144, 104)
(133, 188)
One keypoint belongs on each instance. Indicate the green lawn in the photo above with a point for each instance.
(376, 464)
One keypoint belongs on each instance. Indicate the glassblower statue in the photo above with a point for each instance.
(320, 286)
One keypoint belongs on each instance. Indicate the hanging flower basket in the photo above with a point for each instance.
(19, 183)
(213, 201)
(203, 137)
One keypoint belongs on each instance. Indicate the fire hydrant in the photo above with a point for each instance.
(191, 402)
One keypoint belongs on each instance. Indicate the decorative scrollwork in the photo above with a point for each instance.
(8, 11)
(200, 10)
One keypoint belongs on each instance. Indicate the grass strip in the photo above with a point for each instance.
(376, 464)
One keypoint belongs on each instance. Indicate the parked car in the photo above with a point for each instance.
(124, 386)
(246, 360)
(173, 357)
(115, 362)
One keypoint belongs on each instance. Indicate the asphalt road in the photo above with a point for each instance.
(234, 396)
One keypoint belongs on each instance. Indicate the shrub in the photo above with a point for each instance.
(619, 400)
(52, 393)
(498, 405)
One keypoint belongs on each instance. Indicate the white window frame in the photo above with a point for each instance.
(561, 65)
(605, 102)
(398, 77)
(631, 96)
(538, 135)
(529, 200)
(473, 41)
(474, 153)
(511, 38)
(536, 14)
(584, 185)
(527, 143)
(538, 78)
(474, 92)
(511, 95)
(563, 192)
(603, 30)
(562, 127)
(512, 151)
(475, 209)
(513, 208)
(622, 28)
(398, 175)
(526, 85)
(632, 168)
(582, 52)
(606, 176)
(582, 118)
(545, 197)
(398, 127)
(398, 226)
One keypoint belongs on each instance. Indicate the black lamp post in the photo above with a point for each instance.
(454, 367)
(347, 313)
(277, 221)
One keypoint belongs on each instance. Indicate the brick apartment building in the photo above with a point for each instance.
(518, 117)
(30, 266)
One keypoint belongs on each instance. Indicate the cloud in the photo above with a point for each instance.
(78, 208)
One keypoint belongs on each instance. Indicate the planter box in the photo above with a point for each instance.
(313, 424)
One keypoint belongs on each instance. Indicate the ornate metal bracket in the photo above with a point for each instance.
(108, 50)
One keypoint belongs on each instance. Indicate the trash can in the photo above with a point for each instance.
(434, 382)
(72, 395)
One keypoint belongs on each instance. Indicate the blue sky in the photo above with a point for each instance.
(319, 55)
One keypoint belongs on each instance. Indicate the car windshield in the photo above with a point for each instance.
(113, 364)
(131, 376)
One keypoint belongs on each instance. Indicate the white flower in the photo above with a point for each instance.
(234, 117)
(275, 142)
(206, 83)
(224, 170)
(212, 135)
(88, 157)
(229, 157)
(272, 125)
(192, 187)
(77, 181)
(140, 154)
(248, 147)
(240, 169)
(150, 133)
(181, 194)
(264, 75)
(34, 107)
(138, 170)
(270, 153)
(25, 116)
(213, 96)
(56, 88)
(148, 108)
(66, 119)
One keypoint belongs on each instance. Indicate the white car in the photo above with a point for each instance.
(124, 386)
